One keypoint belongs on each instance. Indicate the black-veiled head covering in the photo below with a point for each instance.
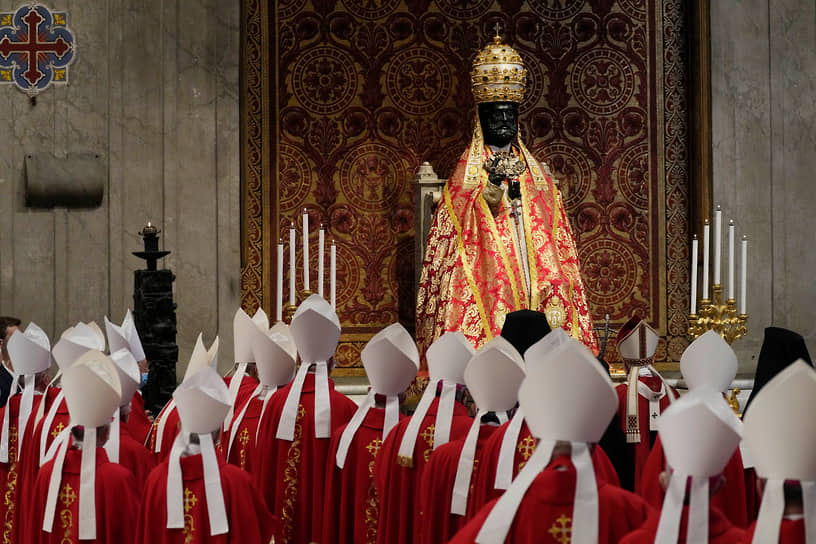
(780, 348)
(523, 328)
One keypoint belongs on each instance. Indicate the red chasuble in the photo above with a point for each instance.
(243, 445)
(720, 530)
(117, 500)
(249, 521)
(472, 273)
(791, 531)
(437, 524)
(29, 465)
(397, 486)
(11, 473)
(138, 424)
(637, 453)
(485, 489)
(172, 427)
(352, 509)
(134, 456)
(292, 476)
(730, 500)
(545, 512)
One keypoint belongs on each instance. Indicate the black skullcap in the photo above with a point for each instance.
(780, 348)
(523, 328)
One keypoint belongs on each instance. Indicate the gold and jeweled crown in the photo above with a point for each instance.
(498, 74)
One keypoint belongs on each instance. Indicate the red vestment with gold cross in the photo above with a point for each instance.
(473, 270)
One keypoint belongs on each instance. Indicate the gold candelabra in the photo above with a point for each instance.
(719, 317)
(289, 309)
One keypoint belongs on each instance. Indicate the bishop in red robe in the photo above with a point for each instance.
(546, 510)
(352, 507)
(720, 530)
(249, 520)
(117, 498)
(397, 485)
(292, 476)
(138, 423)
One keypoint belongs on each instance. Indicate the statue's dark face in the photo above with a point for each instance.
(499, 122)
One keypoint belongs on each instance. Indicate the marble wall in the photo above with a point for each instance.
(154, 89)
(763, 68)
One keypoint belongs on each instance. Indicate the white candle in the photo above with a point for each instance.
(744, 276)
(279, 297)
(695, 246)
(333, 275)
(717, 244)
(305, 250)
(731, 259)
(320, 249)
(706, 241)
(292, 264)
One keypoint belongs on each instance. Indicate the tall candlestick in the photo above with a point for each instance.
(731, 259)
(279, 292)
(305, 250)
(333, 275)
(320, 249)
(694, 248)
(292, 263)
(744, 276)
(717, 244)
(706, 241)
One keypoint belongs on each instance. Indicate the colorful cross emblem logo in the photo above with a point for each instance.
(36, 48)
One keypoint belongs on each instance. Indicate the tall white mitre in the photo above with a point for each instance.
(275, 356)
(391, 361)
(129, 378)
(447, 358)
(202, 402)
(92, 393)
(699, 433)
(125, 336)
(493, 377)
(507, 449)
(200, 358)
(555, 413)
(30, 353)
(243, 333)
(780, 434)
(709, 361)
(316, 330)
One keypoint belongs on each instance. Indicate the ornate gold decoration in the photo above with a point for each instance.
(288, 310)
(10, 495)
(556, 313)
(733, 401)
(372, 501)
(526, 448)
(498, 74)
(57, 429)
(243, 438)
(190, 500)
(290, 476)
(561, 529)
(719, 317)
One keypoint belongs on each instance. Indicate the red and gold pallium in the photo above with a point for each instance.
(473, 276)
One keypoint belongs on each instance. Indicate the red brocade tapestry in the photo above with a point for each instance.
(344, 99)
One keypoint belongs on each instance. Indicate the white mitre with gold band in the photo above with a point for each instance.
(447, 358)
(554, 412)
(200, 358)
(30, 353)
(507, 450)
(92, 393)
(391, 362)
(709, 362)
(637, 342)
(699, 433)
(780, 434)
(202, 402)
(129, 379)
(498, 74)
(275, 356)
(493, 377)
(316, 330)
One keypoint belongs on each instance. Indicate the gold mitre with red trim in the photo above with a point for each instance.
(498, 74)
